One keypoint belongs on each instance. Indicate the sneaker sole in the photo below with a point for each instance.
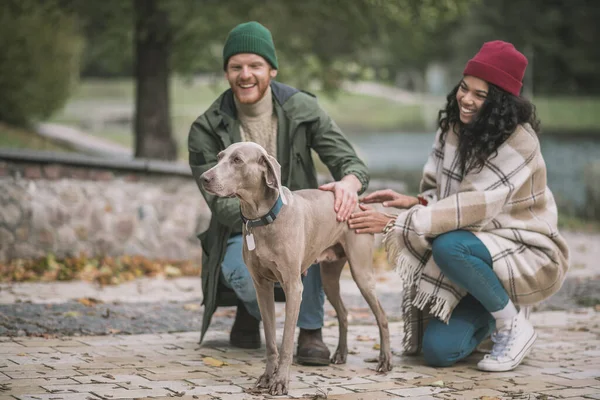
(515, 363)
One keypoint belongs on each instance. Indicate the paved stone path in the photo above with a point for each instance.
(139, 340)
(565, 363)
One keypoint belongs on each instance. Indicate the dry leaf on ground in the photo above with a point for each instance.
(73, 314)
(363, 338)
(213, 362)
(89, 301)
(191, 307)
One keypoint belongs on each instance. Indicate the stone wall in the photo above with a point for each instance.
(67, 204)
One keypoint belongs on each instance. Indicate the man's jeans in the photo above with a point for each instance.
(235, 275)
(465, 260)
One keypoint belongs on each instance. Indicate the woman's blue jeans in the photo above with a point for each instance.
(465, 260)
(235, 275)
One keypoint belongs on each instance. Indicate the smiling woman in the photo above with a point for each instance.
(480, 243)
(471, 95)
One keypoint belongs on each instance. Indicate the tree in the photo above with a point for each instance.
(186, 36)
(559, 37)
(39, 53)
(153, 45)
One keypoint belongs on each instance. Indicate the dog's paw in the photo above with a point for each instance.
(385, 363)
(279, 386)
(339, 357)
(264, 381)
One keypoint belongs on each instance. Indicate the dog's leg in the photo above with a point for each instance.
(266, 304)
(330, 275)
(292, 286)
(359, 250)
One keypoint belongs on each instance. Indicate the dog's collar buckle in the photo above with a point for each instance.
(267, 219)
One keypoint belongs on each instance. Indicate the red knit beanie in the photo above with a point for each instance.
(499, 63)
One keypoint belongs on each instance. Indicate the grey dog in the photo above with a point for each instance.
(294, 230)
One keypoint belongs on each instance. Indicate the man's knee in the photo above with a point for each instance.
(241, 283)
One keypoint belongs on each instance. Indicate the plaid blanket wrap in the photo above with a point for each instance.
(507, 205)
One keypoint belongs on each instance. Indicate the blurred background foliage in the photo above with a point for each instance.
(47, 45)
(138, 72)
(37, 71)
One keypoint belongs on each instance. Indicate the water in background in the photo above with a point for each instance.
(565, 159)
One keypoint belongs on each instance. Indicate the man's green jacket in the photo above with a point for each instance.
(302, 126)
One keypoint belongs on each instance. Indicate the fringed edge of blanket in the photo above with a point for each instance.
(408, 270)
(409, 347)
(438, 306)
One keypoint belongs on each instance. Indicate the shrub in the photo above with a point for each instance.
(39, 57)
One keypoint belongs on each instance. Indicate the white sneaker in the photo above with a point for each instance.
(511, 344)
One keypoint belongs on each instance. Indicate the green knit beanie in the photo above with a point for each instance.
(250, 37)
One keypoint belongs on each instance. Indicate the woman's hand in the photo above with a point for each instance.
(368, 220)
(389, 198)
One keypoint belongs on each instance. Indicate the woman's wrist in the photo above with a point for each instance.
(389, 226)
(422, 201)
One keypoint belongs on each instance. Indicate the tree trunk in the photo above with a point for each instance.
(153, 135)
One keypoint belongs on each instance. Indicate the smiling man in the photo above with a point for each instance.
(289, 124)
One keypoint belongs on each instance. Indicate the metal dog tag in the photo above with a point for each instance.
(283, 199)
(250, 241)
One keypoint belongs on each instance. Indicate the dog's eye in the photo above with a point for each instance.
(236, 159)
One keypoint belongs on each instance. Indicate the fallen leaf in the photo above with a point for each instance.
(113, 331)
(89, 301)
(376, 346)
(362, 338)
(489, 398)
(73, 314)
(213, 362)
(437, 384)
(172, 272)
(191, 307)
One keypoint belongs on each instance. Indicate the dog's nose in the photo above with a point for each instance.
(205, 179)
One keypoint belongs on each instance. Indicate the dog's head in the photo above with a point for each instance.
(242, 169)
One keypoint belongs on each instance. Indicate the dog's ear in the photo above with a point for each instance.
(273, 174)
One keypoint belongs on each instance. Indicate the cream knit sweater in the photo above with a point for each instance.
(258, 122)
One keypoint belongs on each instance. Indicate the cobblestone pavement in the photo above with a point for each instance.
(565, 363)
(139, 340)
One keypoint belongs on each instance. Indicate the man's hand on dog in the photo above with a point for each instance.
(346, 195)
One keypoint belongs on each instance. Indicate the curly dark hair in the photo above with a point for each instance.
(494, 123)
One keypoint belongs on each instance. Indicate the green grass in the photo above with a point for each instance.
(578, 224)
(562, 115)
(361, 113)
(355, 113)
(11, 137)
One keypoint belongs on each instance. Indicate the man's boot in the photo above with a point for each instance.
(311, 349)
(245, 332)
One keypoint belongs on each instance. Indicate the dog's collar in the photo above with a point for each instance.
(265, 219)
